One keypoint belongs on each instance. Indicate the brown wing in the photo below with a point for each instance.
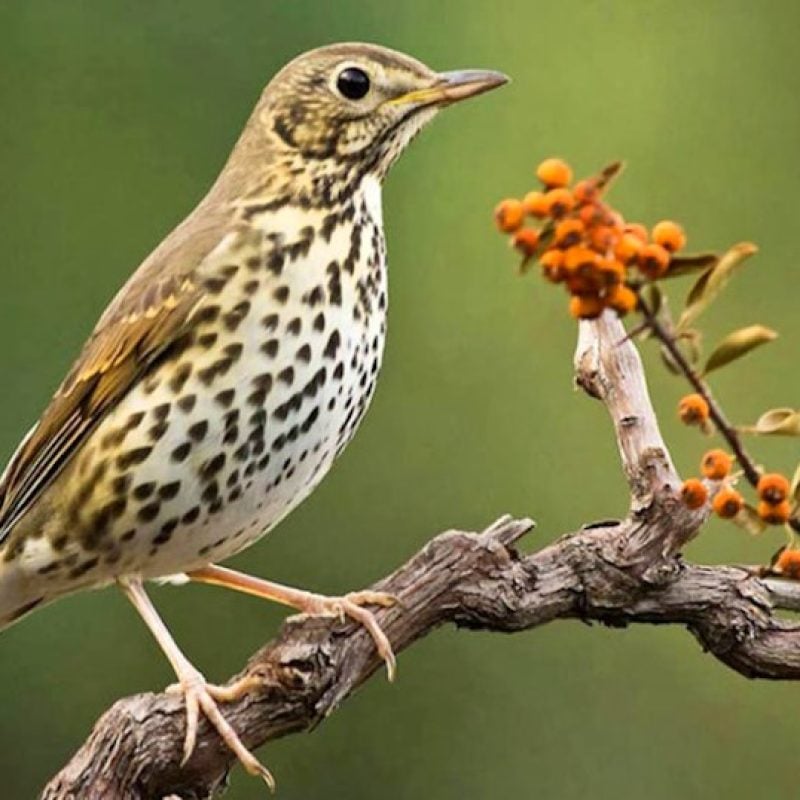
(148, 317)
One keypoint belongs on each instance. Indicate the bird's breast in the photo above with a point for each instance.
(220, 442)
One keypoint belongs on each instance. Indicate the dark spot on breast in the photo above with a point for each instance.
(133, 457)
(121, 484)
(198, 431)
(191, 515)
(281, 294)
(149, 512)
(286, 376)
(181, 451)
(210, 493)
(225, 398)
(169, 490)
(215, 285)
(179, 377)
(211, 467)
(332, 347)
(270, 348)
(270, 322)
(233, 318)
(187, 403)
(234, 350)
(157, 431)
(143, 490)
(304, 354)
(207, 340)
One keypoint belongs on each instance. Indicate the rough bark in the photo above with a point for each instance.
(617, 573)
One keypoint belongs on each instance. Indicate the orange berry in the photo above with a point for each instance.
(716, 465)
(622, 299)
(585, 306)
(787, 563)
(602, 237)
(693, 409)
(586, 191)
(612, 272)
(727, 503)
(628, 248)
(535, 204)
(653, 261)
(559, 202)
(773, 488)
(774, 513)
(553, 172)
(591, 214)
(638, 230)
(578, 256)
(568, 232)
(508, 215)
(526, 240)
(669, 235)
(552, 263)
(694, 493)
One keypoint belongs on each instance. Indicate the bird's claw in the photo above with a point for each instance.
(352, 605)
(198, 695)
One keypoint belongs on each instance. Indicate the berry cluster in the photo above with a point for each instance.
(583, 243)
(774, 506)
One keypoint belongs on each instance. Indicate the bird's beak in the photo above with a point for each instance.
(450, 87)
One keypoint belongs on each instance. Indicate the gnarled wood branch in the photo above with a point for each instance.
(613, 572)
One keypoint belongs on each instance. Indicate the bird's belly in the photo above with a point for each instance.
(218, 444)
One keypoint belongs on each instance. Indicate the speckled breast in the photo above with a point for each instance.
(220, 442)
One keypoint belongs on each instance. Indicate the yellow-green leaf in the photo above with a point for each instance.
(748, 520)
(653, 297)
(794, 491)
(708, 286)
(607, 174)
(737, 344)
(669, 361)
(690, 263)
(776, 422)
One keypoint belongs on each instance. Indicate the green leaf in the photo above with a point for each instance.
(669, 361)
(689, 264)
(708, 286)
(607, 174)
(737, 344)
(776, 422)
(794, 490)
(653, 297)
(748, 520)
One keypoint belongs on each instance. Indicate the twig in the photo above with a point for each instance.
(716, 413)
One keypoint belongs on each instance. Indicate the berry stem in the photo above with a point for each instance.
(724, 427)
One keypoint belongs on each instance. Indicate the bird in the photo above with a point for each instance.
(233, 367)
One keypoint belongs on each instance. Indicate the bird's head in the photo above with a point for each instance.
(355, 107)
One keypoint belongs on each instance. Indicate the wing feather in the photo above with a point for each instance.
(147, 319)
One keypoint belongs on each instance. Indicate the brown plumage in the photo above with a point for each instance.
(222, 381)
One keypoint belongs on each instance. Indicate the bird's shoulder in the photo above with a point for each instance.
(148, 318)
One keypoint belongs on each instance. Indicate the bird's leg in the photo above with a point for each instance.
(198, 694)
(351, 605)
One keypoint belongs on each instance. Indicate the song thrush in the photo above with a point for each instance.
(233, 367)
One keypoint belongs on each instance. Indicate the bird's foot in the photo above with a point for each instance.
(200, 696)
(352, 605)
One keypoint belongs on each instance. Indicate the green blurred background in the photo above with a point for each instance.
(117, 115)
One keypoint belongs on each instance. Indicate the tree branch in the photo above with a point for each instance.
(613, 572)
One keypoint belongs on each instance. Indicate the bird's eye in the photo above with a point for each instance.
(353, 83)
